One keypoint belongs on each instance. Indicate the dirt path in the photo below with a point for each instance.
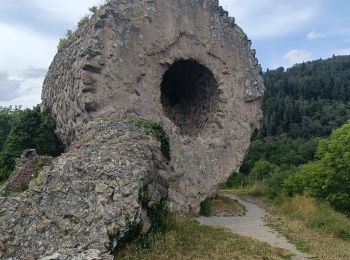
(253, 225)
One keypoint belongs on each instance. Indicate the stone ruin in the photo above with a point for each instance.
(184, 64)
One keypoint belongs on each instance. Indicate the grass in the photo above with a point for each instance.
(206, 208)
(312, 226)
(225, 207)
(189, 240)
(257, 190)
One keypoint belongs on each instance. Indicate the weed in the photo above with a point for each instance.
(64, 42)
(83, 21)
(157, 131)
(205, 209)
(159, 216)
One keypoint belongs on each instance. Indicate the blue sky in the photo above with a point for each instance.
(283, 32)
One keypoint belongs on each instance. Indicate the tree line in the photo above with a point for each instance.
(22, 129)
(302, 106)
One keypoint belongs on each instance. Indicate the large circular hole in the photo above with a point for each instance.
(189, 95)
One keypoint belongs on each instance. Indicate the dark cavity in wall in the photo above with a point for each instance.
(189, 95)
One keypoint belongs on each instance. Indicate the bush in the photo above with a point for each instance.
(93, 9)
(237, 180)
(30, 129)
(329, 177)
(205, 209)
(83, 21)
(157, 131)
(64, 42)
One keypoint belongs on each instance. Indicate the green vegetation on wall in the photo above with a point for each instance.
(64, 42)
(157, 131)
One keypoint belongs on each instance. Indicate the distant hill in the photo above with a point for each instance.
(307, 100)
(301, 104)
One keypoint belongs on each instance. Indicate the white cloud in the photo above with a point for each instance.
(22, 47)
(297, 56)
(21, 87)
(271, 18)
(315, 35)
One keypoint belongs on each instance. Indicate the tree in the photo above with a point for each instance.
(29, 129)
(329, 177)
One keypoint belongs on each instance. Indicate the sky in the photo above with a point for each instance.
(283, 32)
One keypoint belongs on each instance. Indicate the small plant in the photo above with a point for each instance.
(157, 131)
(159, 215)
(232, 20)
(93, 9)
(117, 241)
(24, 187)
(64, 42)
(83, 21)
(38, 164)
(205, 208)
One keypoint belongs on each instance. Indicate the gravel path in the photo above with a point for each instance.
(253, 225)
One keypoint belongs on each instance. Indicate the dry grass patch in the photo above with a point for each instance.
(189, 240)
(314, 228)
(226, 207)
(257, 190)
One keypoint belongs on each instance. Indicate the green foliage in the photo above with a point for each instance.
(205, 209)
(5, 123)
(308, 100)
(301, 106)
(118, 241)
(64, 42)
(157, 131)
(282, 150)
(93, 9)
(329, 177)
(237, 180)
(262, 169)
(160, 218)
(83, 21)
(30, 129)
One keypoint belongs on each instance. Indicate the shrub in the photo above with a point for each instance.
(64, 42)
(93, 9)
(157, 131)
(83, 21)
(205, 209)
(329, 177)
(30, 129)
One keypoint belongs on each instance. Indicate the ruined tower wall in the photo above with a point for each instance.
(183, 63)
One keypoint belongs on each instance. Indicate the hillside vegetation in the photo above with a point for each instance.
(293, 153)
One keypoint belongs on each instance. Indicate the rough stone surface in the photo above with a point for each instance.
(87, 196)
(27, 167)
(183, 63)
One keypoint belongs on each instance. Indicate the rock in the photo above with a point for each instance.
(27, 167)
(183, 63)
(76, 208)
